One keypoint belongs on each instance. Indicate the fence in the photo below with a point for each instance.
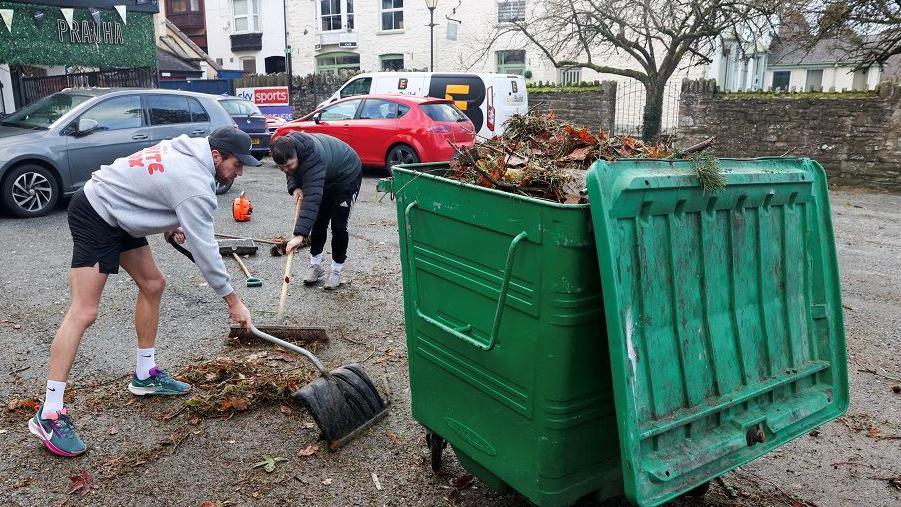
(630, 103)
(212, 86)
(35, 88)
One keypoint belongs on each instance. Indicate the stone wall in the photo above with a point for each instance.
(592, 108)
(857, 138)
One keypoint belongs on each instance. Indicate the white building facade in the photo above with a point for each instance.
(376, 35)
(248, 35)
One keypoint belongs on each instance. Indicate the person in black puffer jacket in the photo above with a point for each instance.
(326, 174)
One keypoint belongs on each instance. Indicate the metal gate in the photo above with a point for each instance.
(34, 88)
(630, 102)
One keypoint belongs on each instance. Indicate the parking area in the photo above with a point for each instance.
(150, 451)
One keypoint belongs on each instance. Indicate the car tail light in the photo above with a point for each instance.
(438, 129)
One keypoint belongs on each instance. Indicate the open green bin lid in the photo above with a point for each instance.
(723, 314)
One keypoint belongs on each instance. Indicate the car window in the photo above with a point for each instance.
(169, 109)
(341, 111)
(232, 107)
(42, 114)
(251, 108)
(402, 109)
(198, 113)
(117, 113)
(359, 86)
(377, 109)
(442, 112)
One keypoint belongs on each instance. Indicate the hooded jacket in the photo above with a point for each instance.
(160, 188)
(324, 164)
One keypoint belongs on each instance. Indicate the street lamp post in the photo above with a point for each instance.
(431, 4)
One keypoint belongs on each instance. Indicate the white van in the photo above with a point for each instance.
(487, 99)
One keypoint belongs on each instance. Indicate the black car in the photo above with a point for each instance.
(249, 119)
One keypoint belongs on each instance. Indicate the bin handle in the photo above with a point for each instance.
(501, 302)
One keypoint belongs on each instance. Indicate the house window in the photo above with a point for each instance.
(392, 14)
(247, 15)
(177, 6)
(392, 62)
(336, 14)
(332, 63)
(249, 65)
(511, 61)
(570, 77)
(814, 81)
(780, 79)
(511, 10)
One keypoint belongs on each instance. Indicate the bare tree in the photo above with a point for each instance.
(659, 36)
(870, 29)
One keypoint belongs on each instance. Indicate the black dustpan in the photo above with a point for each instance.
(343, 402)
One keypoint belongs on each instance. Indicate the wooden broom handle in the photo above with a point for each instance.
(287, 278)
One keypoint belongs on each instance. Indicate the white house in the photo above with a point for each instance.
(248, 35)
(739, 66)
(825, 67)
(333, 35)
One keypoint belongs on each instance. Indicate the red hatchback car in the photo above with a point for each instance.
(386, 130)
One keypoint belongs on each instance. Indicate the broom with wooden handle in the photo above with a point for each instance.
(287, 278)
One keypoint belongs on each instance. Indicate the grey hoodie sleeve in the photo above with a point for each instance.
(195, 215)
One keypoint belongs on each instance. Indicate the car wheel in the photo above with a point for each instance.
(221, 189)
(30, 191)
(400, 154)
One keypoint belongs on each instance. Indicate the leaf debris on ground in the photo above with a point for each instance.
(227, 385)
(82, 483)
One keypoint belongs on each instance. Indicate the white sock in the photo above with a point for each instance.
(146, 361)
(53, 397)
(336, 267)
(315, 260)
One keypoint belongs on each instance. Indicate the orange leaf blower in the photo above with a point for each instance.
(242, 209)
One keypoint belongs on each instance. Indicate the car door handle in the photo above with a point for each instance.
(140, 137)
(198, 132)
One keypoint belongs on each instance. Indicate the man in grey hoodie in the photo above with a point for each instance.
(169, 188)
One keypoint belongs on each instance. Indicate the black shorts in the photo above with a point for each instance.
(95, 241)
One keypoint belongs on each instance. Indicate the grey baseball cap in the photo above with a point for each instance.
(235, 141)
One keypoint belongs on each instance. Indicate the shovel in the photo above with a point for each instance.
(344, 402)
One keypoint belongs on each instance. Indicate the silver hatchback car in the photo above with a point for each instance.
(51, 147)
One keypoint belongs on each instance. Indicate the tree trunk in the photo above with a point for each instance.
(653, 112)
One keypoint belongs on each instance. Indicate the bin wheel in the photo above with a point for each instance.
(698, 491)
(436, 447)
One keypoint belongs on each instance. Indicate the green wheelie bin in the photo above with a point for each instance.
(644, 344)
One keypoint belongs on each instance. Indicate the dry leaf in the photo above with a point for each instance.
(582, 135)
(285, 409)
(16, 404)
(308, 450)
(578, 155)
(113, 430)
(326, 482)
(234, 403)
(394, 437)
(309, 426)
(269, 462)
(82, 483)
